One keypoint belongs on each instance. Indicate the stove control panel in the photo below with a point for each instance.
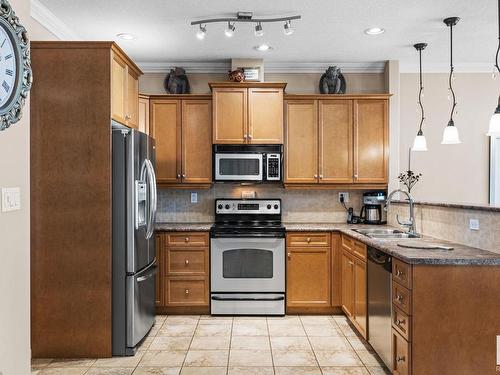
(248, 206)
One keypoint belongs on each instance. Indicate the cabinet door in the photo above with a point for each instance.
(161, 266)
(230, 115)
(360, 313)
(144, 115)
(132, 100)
(335, 141)
(347, 283)
(265, 116)
(301, 141)
(166, 130)
(371, 145)
(336, 270)
(307, 288)
(197, 141)
(118, 89)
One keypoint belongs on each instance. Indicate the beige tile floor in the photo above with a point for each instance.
(195, 345)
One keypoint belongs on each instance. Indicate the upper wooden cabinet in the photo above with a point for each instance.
(144, 113)
(182, 128)
(124, 90)
(247, 113)
(336, 140)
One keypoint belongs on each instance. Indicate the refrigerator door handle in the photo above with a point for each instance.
(153, 198)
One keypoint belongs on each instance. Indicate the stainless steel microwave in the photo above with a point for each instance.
(248, 163)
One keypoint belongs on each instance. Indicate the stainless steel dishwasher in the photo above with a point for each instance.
(379, 304)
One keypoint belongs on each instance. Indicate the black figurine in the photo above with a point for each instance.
(177, 82)
(332, 81)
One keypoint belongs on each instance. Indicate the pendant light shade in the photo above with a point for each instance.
(420, 143)
(494, 128)
(450, 133)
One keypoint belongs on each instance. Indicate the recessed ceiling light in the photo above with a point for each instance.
(374, 31)
(263, 47)
(126, 36)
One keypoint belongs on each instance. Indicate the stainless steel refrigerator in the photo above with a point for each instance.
(134, 252)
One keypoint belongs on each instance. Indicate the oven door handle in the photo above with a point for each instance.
(216, 298)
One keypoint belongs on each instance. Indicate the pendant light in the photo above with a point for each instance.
(495, 119)
(450, 134)
(420, 143)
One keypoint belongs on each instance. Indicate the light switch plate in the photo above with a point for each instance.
(11, 199)
(194, 197)
(473, 224)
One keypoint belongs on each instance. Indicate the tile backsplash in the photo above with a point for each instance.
(318, 206)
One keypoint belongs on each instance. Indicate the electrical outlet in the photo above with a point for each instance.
(345, 195)
(194, 197)
(11, 199)
(473, 224)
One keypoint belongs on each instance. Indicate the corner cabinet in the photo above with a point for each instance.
(333, 140)
(182, 129)
(124, 90)
(247, 113)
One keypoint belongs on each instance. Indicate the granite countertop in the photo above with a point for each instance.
(460, 255)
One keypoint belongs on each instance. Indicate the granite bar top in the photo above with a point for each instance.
(460, 255)
(464, 206)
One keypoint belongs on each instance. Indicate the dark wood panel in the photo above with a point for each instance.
(70, 202)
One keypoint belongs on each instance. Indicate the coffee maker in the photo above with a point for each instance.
(373, 211)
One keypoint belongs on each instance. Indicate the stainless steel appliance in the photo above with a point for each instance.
(134, 252)
(247, 163)
(247, 258)
(373, 211)
(379, 304)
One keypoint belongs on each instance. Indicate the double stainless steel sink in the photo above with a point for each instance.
(386, 234)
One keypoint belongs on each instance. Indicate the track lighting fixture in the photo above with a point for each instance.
(420, 143)
(245, 17)
(494, 127)
(450, 133)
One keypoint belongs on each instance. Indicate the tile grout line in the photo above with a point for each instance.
(230, 343)
(270, 345)
(190, 342)
(309, 341)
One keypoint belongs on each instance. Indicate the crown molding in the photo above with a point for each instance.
(51, 22)
(269, 67)
(445, 68)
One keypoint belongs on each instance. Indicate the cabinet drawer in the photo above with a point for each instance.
(401, 350)
(359, 249)
(401, 273)
(347, 242)
(187, 239)
(401, 298)
(401, 322)
(186, 291)
(308, 239)
(182, 261)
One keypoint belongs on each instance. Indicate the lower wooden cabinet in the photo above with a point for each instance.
(401, 355)
(354, 279)
(160, 251)
(183, 284)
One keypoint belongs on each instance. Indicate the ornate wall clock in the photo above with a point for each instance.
(15, 66)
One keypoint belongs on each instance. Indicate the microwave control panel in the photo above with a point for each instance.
(273, 167)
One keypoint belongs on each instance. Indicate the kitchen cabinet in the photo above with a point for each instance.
(336, 141)
(124, 91)
(354, 283)
(247, 113)
(144, 113)
(182, 128)
(185, 273)
(160, 256)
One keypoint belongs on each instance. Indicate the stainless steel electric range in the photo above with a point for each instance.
(247, 258)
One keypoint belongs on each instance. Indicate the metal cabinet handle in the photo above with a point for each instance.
(178, 176)
(351, 263)
(400, 322)
(183, 176)
(399, 297)
(250, 136)
(321, 176)
(186, 239)
(245, 136)
(187, 262)
(400, 358)
(186, 291)
(315, 176)
(289, 255)
(356, 175)
(128, 117)
(399, 273)
(308, 239)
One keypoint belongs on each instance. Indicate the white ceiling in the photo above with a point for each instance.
(331, 31)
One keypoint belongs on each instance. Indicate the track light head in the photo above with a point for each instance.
(258, 30)
(230, 30)
(287, 28)
(201, 33)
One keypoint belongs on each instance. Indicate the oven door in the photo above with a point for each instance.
(238, 167)
(248, 265)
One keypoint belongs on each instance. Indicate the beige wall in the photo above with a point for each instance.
(152, 83)
(451, 173)
(15, 231)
